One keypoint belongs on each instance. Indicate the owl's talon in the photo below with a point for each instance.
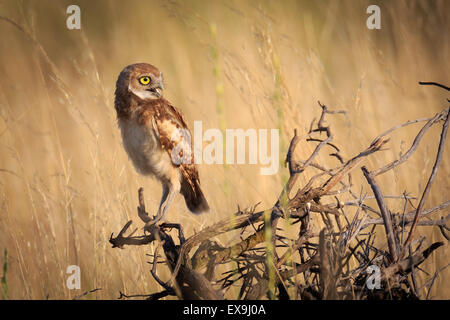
(150, 226)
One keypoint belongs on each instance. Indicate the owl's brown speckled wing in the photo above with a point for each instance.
(169, 124)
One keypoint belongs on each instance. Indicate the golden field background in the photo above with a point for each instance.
(66, 183)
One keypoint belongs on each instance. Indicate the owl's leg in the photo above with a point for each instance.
(168, 202)
(169, 192)
(165, 192)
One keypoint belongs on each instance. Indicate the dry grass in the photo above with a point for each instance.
(65, 180)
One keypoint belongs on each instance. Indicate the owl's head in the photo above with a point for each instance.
(142, 79)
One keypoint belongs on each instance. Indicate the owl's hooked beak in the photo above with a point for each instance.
(157, 89)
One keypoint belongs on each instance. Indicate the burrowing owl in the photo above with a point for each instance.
(151, 128)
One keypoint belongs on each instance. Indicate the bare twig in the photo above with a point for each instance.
(384, 213)
(413, 147)
(423, 83)
(430, 180)
(86, 293)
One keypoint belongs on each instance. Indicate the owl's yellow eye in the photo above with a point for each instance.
(144, 80)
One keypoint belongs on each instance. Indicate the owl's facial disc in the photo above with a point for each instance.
(146, 86)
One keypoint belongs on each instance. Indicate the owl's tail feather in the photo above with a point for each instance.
(195, 200)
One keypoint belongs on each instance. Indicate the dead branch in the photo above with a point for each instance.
(423, 83)
(387, 221)
(431, 179)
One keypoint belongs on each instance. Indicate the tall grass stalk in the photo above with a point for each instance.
(220, 107)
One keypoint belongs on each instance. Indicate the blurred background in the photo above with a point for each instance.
(66, 183)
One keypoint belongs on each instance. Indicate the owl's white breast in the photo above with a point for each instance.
(144, 149)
